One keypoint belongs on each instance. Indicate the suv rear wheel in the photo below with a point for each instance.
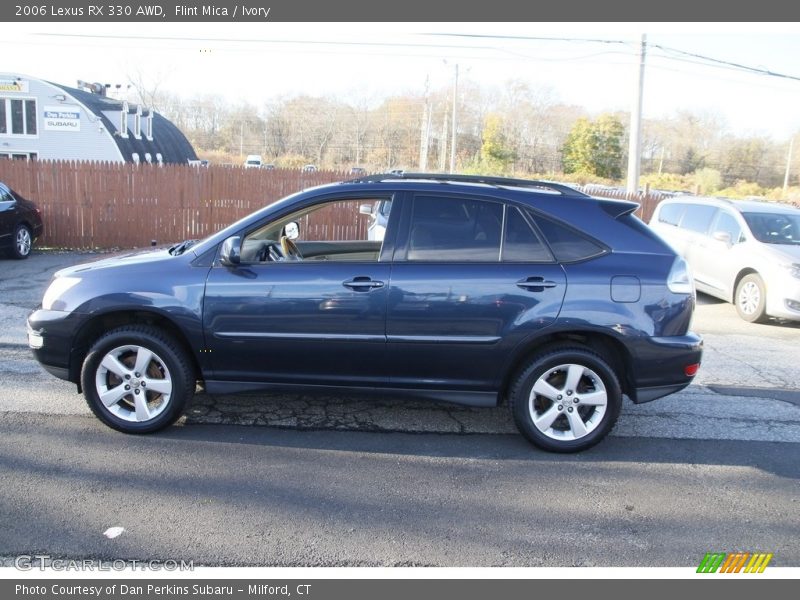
(23, 241)
(566, 400)
(137, 379)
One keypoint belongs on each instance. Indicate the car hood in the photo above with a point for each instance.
(117, 260)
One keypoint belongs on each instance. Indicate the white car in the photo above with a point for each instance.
(743, 252)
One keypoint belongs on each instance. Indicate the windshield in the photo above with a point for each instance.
(774, 228)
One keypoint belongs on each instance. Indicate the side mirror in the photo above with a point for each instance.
(722, 236)
(292, 230)
(365, 209)
(230, 254)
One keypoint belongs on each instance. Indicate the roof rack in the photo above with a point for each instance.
(485, 179)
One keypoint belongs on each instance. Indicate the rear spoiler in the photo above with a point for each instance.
(618, 208)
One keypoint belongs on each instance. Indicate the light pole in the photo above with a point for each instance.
(454, 124)
(788, 166)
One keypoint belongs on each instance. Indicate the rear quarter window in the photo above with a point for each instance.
(567, 244)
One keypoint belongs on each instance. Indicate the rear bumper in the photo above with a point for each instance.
(660, 365)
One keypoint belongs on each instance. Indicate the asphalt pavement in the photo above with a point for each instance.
(240, 496)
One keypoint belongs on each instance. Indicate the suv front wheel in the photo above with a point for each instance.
(751, 299)
(566, 400)
(137, 379)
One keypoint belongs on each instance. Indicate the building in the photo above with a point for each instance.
(44, 120)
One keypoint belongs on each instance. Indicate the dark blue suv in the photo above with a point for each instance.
(477, 291)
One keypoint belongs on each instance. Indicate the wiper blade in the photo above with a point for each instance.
(182, 247)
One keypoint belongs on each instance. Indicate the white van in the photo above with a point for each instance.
(253, 161)
(747, 253)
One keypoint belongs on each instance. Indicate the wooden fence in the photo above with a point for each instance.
(120, 205)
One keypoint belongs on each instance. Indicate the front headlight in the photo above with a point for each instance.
(57, 289)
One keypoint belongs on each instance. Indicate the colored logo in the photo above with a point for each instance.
(737, 562)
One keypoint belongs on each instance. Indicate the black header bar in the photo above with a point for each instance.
(405, 11)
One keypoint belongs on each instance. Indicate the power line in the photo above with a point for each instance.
(666, 49)
(727, 63)
(531, 38)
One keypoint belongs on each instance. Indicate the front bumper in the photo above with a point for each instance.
(50, 336)
(660, 365)
(783, 298)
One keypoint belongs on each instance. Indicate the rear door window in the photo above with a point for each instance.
(520, 242)
(698, 217)
(455, 229)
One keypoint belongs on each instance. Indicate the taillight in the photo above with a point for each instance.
(680, 280)
(691, 370)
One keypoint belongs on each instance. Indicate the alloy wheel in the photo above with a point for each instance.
(23, 241)
(568, 402)
(133, 383)
(749, 298)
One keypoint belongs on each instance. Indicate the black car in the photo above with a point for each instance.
(481, 291)
(20, 223)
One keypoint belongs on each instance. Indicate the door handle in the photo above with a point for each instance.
(362, 284)
(535, 284)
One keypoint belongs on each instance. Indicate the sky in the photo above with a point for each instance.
(595, 65)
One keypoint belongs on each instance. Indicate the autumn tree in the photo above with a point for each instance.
(496, 156)
(707, 181)
(595, 147)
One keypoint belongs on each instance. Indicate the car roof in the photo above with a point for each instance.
(742, 206)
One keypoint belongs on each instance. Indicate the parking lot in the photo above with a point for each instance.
(747, 388)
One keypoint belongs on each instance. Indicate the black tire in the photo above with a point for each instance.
(169, 367)
(596, 378)
(751, 299)
(22, 242)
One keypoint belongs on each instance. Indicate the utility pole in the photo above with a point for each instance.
(788, 165)
(443, 146)
(425, 133)
(454, 127)
(634, 143)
